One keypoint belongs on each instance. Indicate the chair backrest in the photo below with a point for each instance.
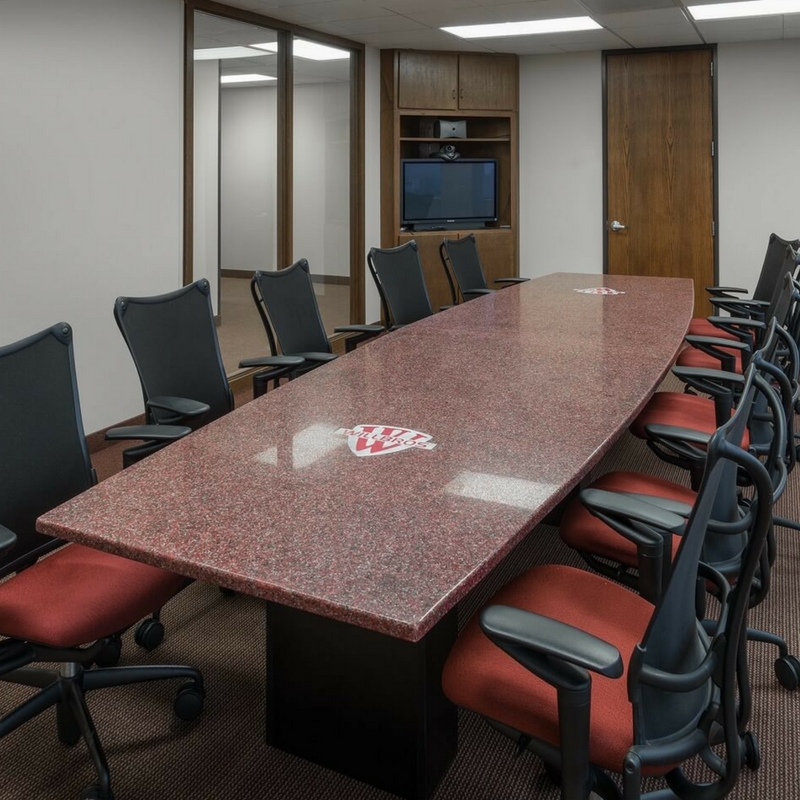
(288, 308)
(173, 341)
(401, 284)
(666, 704)
(43, 456)
(773, 268)
(465, 263)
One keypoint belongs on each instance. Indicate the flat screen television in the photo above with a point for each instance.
(439, 194)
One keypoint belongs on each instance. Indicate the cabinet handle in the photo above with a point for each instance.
(462, 94)
(454, 94)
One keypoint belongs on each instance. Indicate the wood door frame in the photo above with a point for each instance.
(712, 48)
(285, 31)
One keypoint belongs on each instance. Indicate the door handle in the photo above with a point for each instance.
(617, 226)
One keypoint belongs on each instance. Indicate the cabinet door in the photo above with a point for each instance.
(497, 251)
(427, 80)
(487, 82)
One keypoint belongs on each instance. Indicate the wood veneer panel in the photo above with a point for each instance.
(427, 80)
(487, 82)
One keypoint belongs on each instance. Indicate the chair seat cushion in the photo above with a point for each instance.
(679, 410)
(692, 357)
(585, 533)
(78, 595)
(700, 326)
(479, 676)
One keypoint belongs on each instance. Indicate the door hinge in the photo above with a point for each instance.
(712, 150)
(712, 69)
(713, 229)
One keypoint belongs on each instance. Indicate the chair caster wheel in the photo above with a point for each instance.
(189, 702)
(751, 751)
(109, 655)
(787, 671)
(94, 792)
(149, 634)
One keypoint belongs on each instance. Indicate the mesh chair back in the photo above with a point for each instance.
(401, 284)
(288, 307)
(674, 642)
(174, 345)
(465, 263)
(43, 458)
(773, 268)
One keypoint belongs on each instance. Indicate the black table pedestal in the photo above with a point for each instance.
(364, 704)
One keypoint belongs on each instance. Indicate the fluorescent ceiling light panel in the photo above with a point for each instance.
(303, 48)
(495, 30)
(747, 8)
(250, 78)
(213, 53)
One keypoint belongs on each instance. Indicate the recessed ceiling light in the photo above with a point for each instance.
(210, 53)
(250, 78)
(533, 26)
(746, 8)
(303, 48)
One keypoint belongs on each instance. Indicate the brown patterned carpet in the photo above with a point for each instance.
(223, 755)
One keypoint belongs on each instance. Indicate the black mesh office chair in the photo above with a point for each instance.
(69, 608)
(173, 341)
(460, 259)
(663, 688)
(288, 308)
(397, 272)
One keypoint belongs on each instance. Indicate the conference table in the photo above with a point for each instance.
(364, 500)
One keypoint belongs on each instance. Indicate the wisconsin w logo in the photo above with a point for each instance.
(377, 440)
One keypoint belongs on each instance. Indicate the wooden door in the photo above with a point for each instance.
(487, 82)
(659, 136)
(427, 80)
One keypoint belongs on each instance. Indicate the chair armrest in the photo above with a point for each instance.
(272, 361)
(319, 358)
(684, 442)
(713, 341)
(180, 406)
(714, 382)
(150, 433)
(7, 539)
(633, 507)
(673, 506)
(738, 307)
(720, 289)
(445, 308)
(542, 644)
(376, 329)
(739, 322)
(511, 280)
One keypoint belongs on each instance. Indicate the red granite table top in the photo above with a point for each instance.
(521, 392)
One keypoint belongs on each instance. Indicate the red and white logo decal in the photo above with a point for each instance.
(377, 440)
(599, 290)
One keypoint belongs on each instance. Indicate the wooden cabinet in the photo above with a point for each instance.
(417, 88)
(451, 81)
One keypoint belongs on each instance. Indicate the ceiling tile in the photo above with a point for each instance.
(337, 10)
(376, 25)
(288, 14)
(619, 6)
(540, 9)
(430, 39)
(633, 19)
(651, 36)
(439, 17)
(740, 27)
(586, 46)
(410, 7)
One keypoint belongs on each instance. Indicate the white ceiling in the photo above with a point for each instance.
(416, 23)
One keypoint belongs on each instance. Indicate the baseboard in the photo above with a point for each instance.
(338, 280)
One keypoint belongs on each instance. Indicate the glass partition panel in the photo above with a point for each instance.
(235, 176)
(321, 178)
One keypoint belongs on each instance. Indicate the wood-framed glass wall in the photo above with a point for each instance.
(273, 166)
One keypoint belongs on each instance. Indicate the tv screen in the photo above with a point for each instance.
(436, 191)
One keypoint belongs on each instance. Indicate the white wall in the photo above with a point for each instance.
(759, 152)
(372, 174)
(205, 253)
(321, 177)
(248, 194)
(91, 188)
(561, 164)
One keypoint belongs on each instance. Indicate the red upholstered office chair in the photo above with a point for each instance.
(616, 549)
(288, 308)
(594, 679)
(724, 297)
(700, 413)
(70, 607)
(744, 332)
(460, 259)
